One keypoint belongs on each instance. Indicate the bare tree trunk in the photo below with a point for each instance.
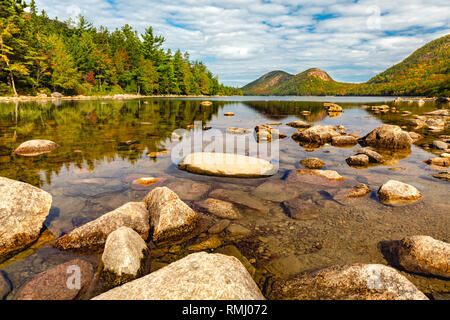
(12, 82)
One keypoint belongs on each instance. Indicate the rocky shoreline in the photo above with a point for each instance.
(129, 236)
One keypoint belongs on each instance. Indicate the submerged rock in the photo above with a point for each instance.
(198, 276)
(170, 218)
(275, 191)
(23, 210)
(328, 178)
(316, 135)
(360, 160)
(312, 163)
(298, 124)
(5, 286)
(349, 282)
(35, 147)
(124, 257)
(423, 254)
(234, 130)
(360, 190)
(238, 230)
(220, 208)
(344, 141)
(208, 244)
(300, 209)
(93, 235)
(393, 192)
(240, 198)
(387, 136)
(189, 190)
(66, 281)
(219, 226)
(227, 165)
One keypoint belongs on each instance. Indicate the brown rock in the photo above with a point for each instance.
(300, 209)
(189, 190)
(220, 208)
(344, 141)
(423, 254)
(219, 226)
(316, 135)
(360, 160)
(312, 163)
(35, 147)
(240, 198)
(59, 283)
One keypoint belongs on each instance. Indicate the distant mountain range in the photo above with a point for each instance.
(425, 72)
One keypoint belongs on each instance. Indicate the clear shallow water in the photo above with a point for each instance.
(105, 145)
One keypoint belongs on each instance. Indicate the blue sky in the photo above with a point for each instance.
(241, 40)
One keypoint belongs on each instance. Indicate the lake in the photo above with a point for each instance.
(105, 146)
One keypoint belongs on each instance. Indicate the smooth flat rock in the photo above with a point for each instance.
(170, 217)
(343, 141)
(387, 136)
(394, 191)
(199, 276)
(35, 147)
(349, 282)
(424, 255)
(238, 230)
(220, 208)
(123, 257)
(23, 210)
(59, 283)
(93, 235)
(226, 165)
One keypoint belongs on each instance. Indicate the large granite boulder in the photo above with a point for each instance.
(393, 192)
(170, 218)
(199, 276)
(23, 210)
(93, 235)
(227, 165)
(66, 281)
(387, 136)
(423, 254)
(125, 257)
(35, 147)
(349, 282)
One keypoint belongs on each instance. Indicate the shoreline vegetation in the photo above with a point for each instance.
(139, 96)
(40, 55)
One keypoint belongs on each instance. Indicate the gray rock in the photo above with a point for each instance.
(23, 211)
(124, 257)
(198, 276)
(373, 155)
(349, 282)
(220, 208)
(93, 235)
(423, 254)
(170, 217)
(226, 165)
(35, 147)
(360, 160)
(393, 192)
(387, 136)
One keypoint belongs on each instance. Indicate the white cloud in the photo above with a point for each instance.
(351, 41)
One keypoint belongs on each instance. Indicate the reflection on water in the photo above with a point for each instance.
(105, 145)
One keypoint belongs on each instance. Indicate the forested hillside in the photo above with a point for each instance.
(423, 73)
(42, 55)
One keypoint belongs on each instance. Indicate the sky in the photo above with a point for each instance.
(242, 40)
